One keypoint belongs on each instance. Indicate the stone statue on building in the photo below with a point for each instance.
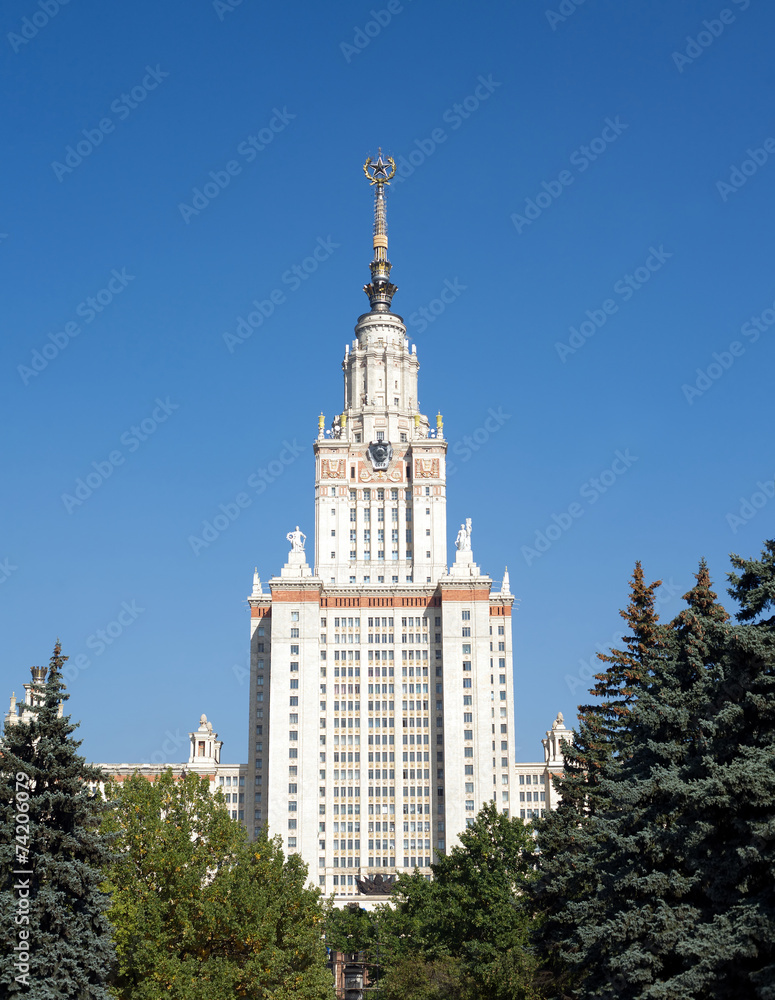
(463, 540)
(297, 539)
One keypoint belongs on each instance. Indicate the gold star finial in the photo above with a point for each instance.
(382, 170)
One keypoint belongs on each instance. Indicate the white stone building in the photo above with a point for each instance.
(204, 759)
(382, 710)
(534, 792)
(204, 756)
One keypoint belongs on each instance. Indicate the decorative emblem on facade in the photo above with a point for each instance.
(332, 468)
(426, 468)
(379, 885)
(380, 453)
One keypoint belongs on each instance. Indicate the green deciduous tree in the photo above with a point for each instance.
(199, 911)
(60, 851)
(467, 930)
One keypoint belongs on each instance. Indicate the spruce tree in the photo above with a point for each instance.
(60, 851)
(636, 937)
(730, 816)
(569, 871)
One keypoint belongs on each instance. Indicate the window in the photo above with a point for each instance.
(380, 437)
(294, 616)
(466, 616)
(294, 633)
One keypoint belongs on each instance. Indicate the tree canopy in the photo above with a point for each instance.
(200, 913)
(661, 884)
(51, 855)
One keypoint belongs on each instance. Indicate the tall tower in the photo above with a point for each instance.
(381, 710)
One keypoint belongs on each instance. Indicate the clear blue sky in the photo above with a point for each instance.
(597, 170)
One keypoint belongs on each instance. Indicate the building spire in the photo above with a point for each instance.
(379, 290)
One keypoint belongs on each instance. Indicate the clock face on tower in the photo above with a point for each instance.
(380, 453)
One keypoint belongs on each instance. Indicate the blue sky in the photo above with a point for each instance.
(595, 182)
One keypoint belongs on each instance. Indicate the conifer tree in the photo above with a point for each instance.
(754, 588)
(61, 852)
(568, 860)
(729, 817)
(634, 938)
